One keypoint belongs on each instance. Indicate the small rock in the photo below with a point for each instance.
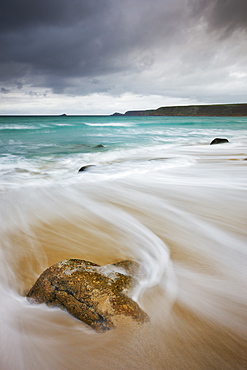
(93, 294)
(99, 146)
(219, 140)
(84, 168)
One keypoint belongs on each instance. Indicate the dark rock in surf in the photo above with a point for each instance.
(159, 159)
(219, 140)
(99, 146)
(93, 294)
(86, 167)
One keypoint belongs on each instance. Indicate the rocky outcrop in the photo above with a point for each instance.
(219, 140)
(93, 294)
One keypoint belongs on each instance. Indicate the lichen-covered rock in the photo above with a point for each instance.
(219, 140)
(93, 294)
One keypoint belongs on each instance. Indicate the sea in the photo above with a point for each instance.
(150, 189)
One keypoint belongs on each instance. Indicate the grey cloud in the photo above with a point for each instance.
(224, 15)
(4, 91)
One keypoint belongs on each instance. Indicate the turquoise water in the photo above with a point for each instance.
(67, 143)
(66, 135)
(157, 193)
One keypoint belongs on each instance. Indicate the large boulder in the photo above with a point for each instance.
(219, 140)
(93, 294)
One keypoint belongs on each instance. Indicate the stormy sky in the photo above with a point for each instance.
(102, 56)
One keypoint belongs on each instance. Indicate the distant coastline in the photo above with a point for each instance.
(214, 110)
(210, 110)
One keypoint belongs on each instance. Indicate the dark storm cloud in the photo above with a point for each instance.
(53, 43)
(16, 14)
(64, 39)
(47, 37)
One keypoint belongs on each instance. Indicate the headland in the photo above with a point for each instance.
(217, 110)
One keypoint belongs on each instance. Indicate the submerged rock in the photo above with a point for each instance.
(93, 294)
(219, 140)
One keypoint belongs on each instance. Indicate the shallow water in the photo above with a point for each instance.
(158, 194)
